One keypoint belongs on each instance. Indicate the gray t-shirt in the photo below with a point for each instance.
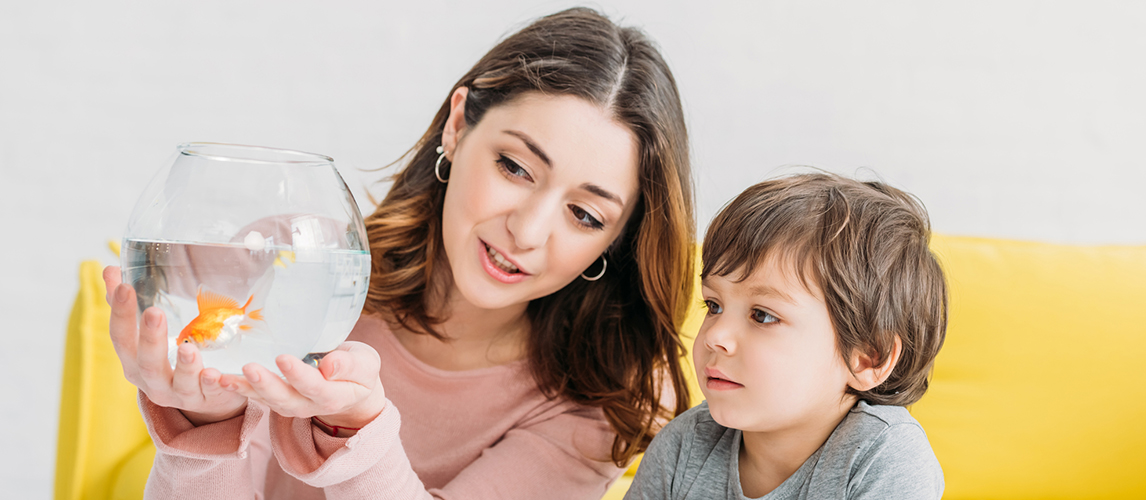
(876, 452)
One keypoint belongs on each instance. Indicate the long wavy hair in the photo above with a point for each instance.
(612, 343)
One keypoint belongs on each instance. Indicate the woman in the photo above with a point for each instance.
(530, 264)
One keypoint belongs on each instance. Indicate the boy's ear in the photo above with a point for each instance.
(865, 375)
(455, 123)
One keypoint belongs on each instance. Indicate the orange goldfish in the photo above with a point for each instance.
(220, 319)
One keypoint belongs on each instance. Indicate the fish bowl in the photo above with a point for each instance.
(250, 252)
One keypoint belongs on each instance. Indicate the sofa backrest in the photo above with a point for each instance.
(1038, 392)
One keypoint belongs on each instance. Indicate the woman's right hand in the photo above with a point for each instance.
(142, 349)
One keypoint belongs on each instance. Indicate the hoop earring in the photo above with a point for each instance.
(438, 166)
(604, 265)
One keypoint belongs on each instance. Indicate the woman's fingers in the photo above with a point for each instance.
(347, 377)
(309, 383)
(152, 351)
(352, 362)
(111, 279)
(237, 384)
(267, 387)
(209, 381)
(185, 377)
(142, 347)
(124, 325)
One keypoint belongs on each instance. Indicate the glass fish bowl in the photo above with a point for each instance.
(251, 252)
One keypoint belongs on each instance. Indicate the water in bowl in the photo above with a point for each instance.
(298, 302)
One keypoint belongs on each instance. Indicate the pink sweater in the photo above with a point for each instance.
(479, 434)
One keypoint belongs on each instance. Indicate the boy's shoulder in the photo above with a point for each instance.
(867, 426)
(690, 456)
(695, 422)
(881, 415)
(696, 414)
(691, 438)
(883, 449)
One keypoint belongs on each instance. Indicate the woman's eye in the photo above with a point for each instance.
(713, 307)
(511, 168)
(584, 218)
(763, 317)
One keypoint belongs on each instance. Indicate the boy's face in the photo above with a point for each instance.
(766, 355)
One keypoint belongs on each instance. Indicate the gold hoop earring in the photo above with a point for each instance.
(604, 265)
(438, 166)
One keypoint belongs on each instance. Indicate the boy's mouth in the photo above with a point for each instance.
(716, 380)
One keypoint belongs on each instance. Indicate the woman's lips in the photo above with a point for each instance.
(494, 270)
(716, 380)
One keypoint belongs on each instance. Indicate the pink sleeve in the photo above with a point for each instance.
(547, 457)
(370, 464)
(221, 460)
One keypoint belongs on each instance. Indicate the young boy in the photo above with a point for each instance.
(825, 312)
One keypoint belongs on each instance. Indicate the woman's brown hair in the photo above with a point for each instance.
(864, 245)
(610, 343)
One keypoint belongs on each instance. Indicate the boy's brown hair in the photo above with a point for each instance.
(865, 246)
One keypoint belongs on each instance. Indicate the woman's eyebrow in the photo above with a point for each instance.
(592, 188)
(599, 191)
(531, 145)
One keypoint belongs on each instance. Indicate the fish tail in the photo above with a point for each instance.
(248, 303)
(256, 315)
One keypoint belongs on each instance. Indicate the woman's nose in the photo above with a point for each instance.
(532, 222)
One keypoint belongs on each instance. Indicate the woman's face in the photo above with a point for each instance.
(537, 191)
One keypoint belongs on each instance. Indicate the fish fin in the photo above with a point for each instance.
(260, 290)
(245, 327)
(256, 315)
(211, 300)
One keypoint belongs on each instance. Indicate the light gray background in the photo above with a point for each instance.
(1018, 119)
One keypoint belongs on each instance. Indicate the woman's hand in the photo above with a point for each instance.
(344, 391)
(142, 350)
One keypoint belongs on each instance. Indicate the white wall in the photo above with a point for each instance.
(1019, 119)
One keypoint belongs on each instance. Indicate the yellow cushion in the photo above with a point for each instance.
(1038, 391)
(100, 426)
(131, 476)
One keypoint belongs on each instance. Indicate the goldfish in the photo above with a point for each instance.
(219, 321)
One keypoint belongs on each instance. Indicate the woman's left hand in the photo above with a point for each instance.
(344, 391)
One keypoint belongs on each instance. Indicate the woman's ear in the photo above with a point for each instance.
(865, 374)
(455, 123)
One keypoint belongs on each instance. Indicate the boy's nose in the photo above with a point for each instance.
(719, 338)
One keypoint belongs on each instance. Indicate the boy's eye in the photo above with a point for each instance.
(511, 168)
(584, 218)
(713, 307)
(763, 317)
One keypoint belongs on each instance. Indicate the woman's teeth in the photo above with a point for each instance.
(500, 261)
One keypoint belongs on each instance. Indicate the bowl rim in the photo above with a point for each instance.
(189, 149)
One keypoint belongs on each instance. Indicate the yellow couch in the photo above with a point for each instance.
(1036, 394)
